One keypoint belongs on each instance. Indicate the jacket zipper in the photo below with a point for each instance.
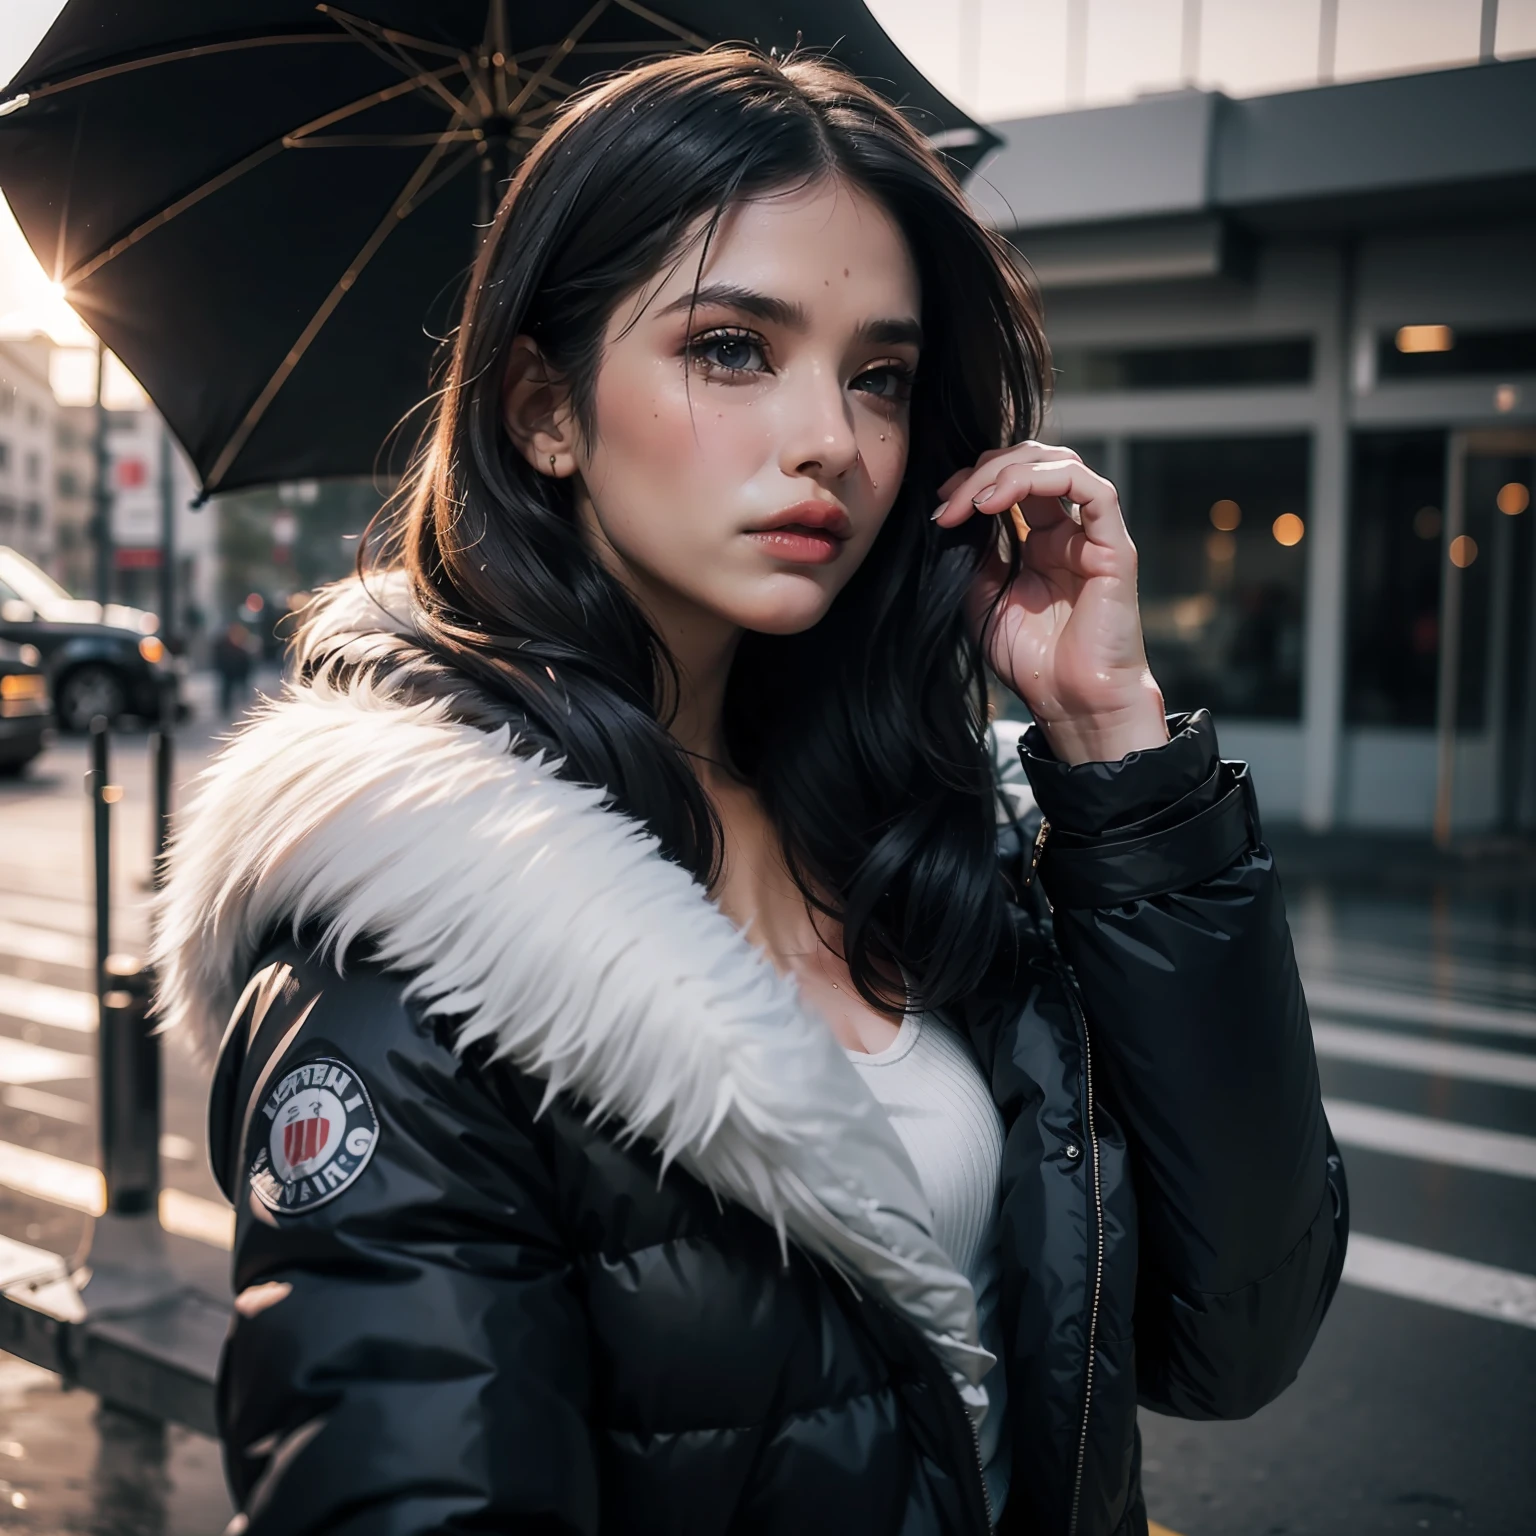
(1098, 1255)
(981, 1471)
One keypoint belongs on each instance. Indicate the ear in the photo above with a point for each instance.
(536, 408)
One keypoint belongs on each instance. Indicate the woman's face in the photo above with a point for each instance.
(750, 438)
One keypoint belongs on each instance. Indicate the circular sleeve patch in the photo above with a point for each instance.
(314, 1135)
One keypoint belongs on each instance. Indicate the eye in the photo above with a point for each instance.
(886, 381)
(729, 351)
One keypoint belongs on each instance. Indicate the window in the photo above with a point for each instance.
(1395, 536)
(5, 454)
(1220, 527)
(34, 515)
(68, 483)
(1097, 370)
(34, 467)
(1442, 352)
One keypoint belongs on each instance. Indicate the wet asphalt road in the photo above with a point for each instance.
(1412, 1413)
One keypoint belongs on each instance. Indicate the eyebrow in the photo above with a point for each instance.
(762, 306)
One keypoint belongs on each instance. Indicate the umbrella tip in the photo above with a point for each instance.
(15, 104)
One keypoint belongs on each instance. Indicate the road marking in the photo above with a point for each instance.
(1434, 1141)
(24, 1063)
(1414, 1008)
(39, 1003)
(35, 1102)
(1411, 1054)
(1397, 1269)
(81, 1188)
(47, 944)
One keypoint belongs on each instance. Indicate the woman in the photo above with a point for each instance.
(657, 1095)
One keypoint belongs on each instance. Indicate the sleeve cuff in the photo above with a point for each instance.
(1155, 822)
(1090, 799)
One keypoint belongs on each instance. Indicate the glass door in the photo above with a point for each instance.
(1486, 677)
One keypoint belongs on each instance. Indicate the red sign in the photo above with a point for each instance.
(136, 559)
(131, 473)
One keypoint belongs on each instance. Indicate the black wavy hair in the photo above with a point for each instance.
(862, 736)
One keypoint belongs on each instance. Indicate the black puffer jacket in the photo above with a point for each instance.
(473, 1294)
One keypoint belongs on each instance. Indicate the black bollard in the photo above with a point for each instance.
(129, 1081)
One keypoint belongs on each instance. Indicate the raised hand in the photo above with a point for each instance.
(1065, 634)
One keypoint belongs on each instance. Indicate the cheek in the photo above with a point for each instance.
(660, 440)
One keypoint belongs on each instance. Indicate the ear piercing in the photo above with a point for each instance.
(551, 463)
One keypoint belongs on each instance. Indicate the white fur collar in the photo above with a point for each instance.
(521, 902)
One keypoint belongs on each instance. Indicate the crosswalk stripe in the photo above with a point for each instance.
(1411, 1008)
(39, 1002)
(34, 1101)
(81, 1188)
(1408, 1053)
(21, 1062)
(1376, 1264)
(28, 942)
(1435, 1141)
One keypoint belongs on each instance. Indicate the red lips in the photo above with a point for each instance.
(808, 533)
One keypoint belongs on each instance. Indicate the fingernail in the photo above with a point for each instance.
(933, 517)
(982, 496)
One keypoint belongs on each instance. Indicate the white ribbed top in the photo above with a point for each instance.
(938, 1102)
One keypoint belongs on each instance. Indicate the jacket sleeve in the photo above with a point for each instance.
(407, 1354)
(1168, 908)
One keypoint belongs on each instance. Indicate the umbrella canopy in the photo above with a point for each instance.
(266, 207)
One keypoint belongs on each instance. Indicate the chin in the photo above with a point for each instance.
(778, 611)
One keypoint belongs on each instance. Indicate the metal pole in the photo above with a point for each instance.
(1189, 45)
(1077, 52)
(163, 741)
(162, 754)
(168, 626)
(1327, 41)
(1449, 681)
(100, 791)
(1488, 32)
(102, 519)
(129, 1080)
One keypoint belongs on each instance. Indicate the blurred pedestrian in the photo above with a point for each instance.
(233, 655)
(654, 1092)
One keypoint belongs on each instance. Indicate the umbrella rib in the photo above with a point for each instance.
(682, 33)
(366, 35)
(382, 140)
(202, 50)
(547, 68)
(390, 34)
(217, 183)
(248, 423)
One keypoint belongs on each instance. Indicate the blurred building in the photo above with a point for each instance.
(144, 468)
(1299, 332)
(26, 449)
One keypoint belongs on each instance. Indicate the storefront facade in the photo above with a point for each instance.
(1299, 332)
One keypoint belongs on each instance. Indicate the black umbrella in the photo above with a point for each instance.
(264, 207)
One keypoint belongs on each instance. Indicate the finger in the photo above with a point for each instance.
(950, 485)
(963, 485)
(1096, 498)
(1006, 484)
(1066, 548)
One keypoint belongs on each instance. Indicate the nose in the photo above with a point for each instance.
(819, 441)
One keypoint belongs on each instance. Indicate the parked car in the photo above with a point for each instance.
(99, 661)
(26, 718)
